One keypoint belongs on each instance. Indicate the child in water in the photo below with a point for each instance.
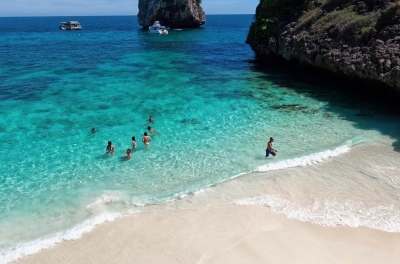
(133, 143)
(128, 154)
(110, 148)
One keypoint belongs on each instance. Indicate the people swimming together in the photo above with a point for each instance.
(146, 141)
(269, 149)
(128, 154)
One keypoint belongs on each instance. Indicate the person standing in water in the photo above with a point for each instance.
(128, 154)
(269, 149)
(110, 148)
(150, 120)
(133, 143)
(146, 139)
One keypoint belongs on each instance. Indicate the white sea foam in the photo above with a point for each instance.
(184, 194)
(198, 191)
(332, 213)
(273, 202)
(104, 199)
(392, 173)
(305, 160)
(74, 233)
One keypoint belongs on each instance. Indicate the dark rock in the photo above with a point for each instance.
(295, 108)
(171, 13)
(192, 121)
(374, 57)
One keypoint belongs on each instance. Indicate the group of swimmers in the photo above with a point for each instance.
(110, 149)
(146, 141)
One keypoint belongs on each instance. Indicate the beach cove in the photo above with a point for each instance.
(204, 228)
(336, 176)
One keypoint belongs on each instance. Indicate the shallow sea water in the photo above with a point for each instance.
(214, 108)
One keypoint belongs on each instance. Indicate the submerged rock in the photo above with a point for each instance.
(171, 13)
(295, 108)
(192, 121)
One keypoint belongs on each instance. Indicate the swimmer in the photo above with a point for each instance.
(152, 131)
(128, 154)
(269, 149)
(150, 120)
(146, 139)
(110, 148)
(133, 142)
(94, 130)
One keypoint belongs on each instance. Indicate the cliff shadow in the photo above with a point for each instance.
(368, 101)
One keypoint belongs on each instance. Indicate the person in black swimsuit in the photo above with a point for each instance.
(269, 149)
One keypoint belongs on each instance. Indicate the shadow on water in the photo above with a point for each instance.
(355, 101)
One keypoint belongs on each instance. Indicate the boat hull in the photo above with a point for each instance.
(158, 31)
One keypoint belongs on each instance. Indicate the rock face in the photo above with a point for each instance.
(171, 13)
(360, 39)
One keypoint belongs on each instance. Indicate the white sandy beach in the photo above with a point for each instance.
(224, 233)
(211, 228)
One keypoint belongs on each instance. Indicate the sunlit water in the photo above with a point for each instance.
(214, 111)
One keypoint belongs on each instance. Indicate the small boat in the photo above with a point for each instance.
(156, 28)
(70, 25)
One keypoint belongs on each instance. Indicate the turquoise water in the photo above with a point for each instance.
(214, 109)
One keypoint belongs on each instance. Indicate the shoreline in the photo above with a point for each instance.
(224, 233)
(230, 209)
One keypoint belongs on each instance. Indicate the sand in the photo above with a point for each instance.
(210, 228)
(222, 233)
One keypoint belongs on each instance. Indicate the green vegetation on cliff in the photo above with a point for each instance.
(270, 12)
(359, 39)
(318, 15)
(389, 16)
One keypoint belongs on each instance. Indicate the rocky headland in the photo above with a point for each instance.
(352, 38)
(171, 13)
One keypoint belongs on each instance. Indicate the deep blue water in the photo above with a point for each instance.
(215, 110)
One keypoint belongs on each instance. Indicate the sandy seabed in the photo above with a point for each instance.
(224, 232)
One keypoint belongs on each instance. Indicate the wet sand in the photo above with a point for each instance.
(211, 228)
(224, 233)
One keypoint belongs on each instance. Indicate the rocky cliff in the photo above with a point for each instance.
(171, 13)
(359, 39)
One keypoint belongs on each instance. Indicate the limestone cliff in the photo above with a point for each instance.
(171, 13)
(359, 39)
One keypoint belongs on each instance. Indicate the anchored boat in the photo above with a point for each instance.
(156, 28)
(70, 25)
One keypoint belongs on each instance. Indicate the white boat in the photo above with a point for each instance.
(156, 28)
(70, 25)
